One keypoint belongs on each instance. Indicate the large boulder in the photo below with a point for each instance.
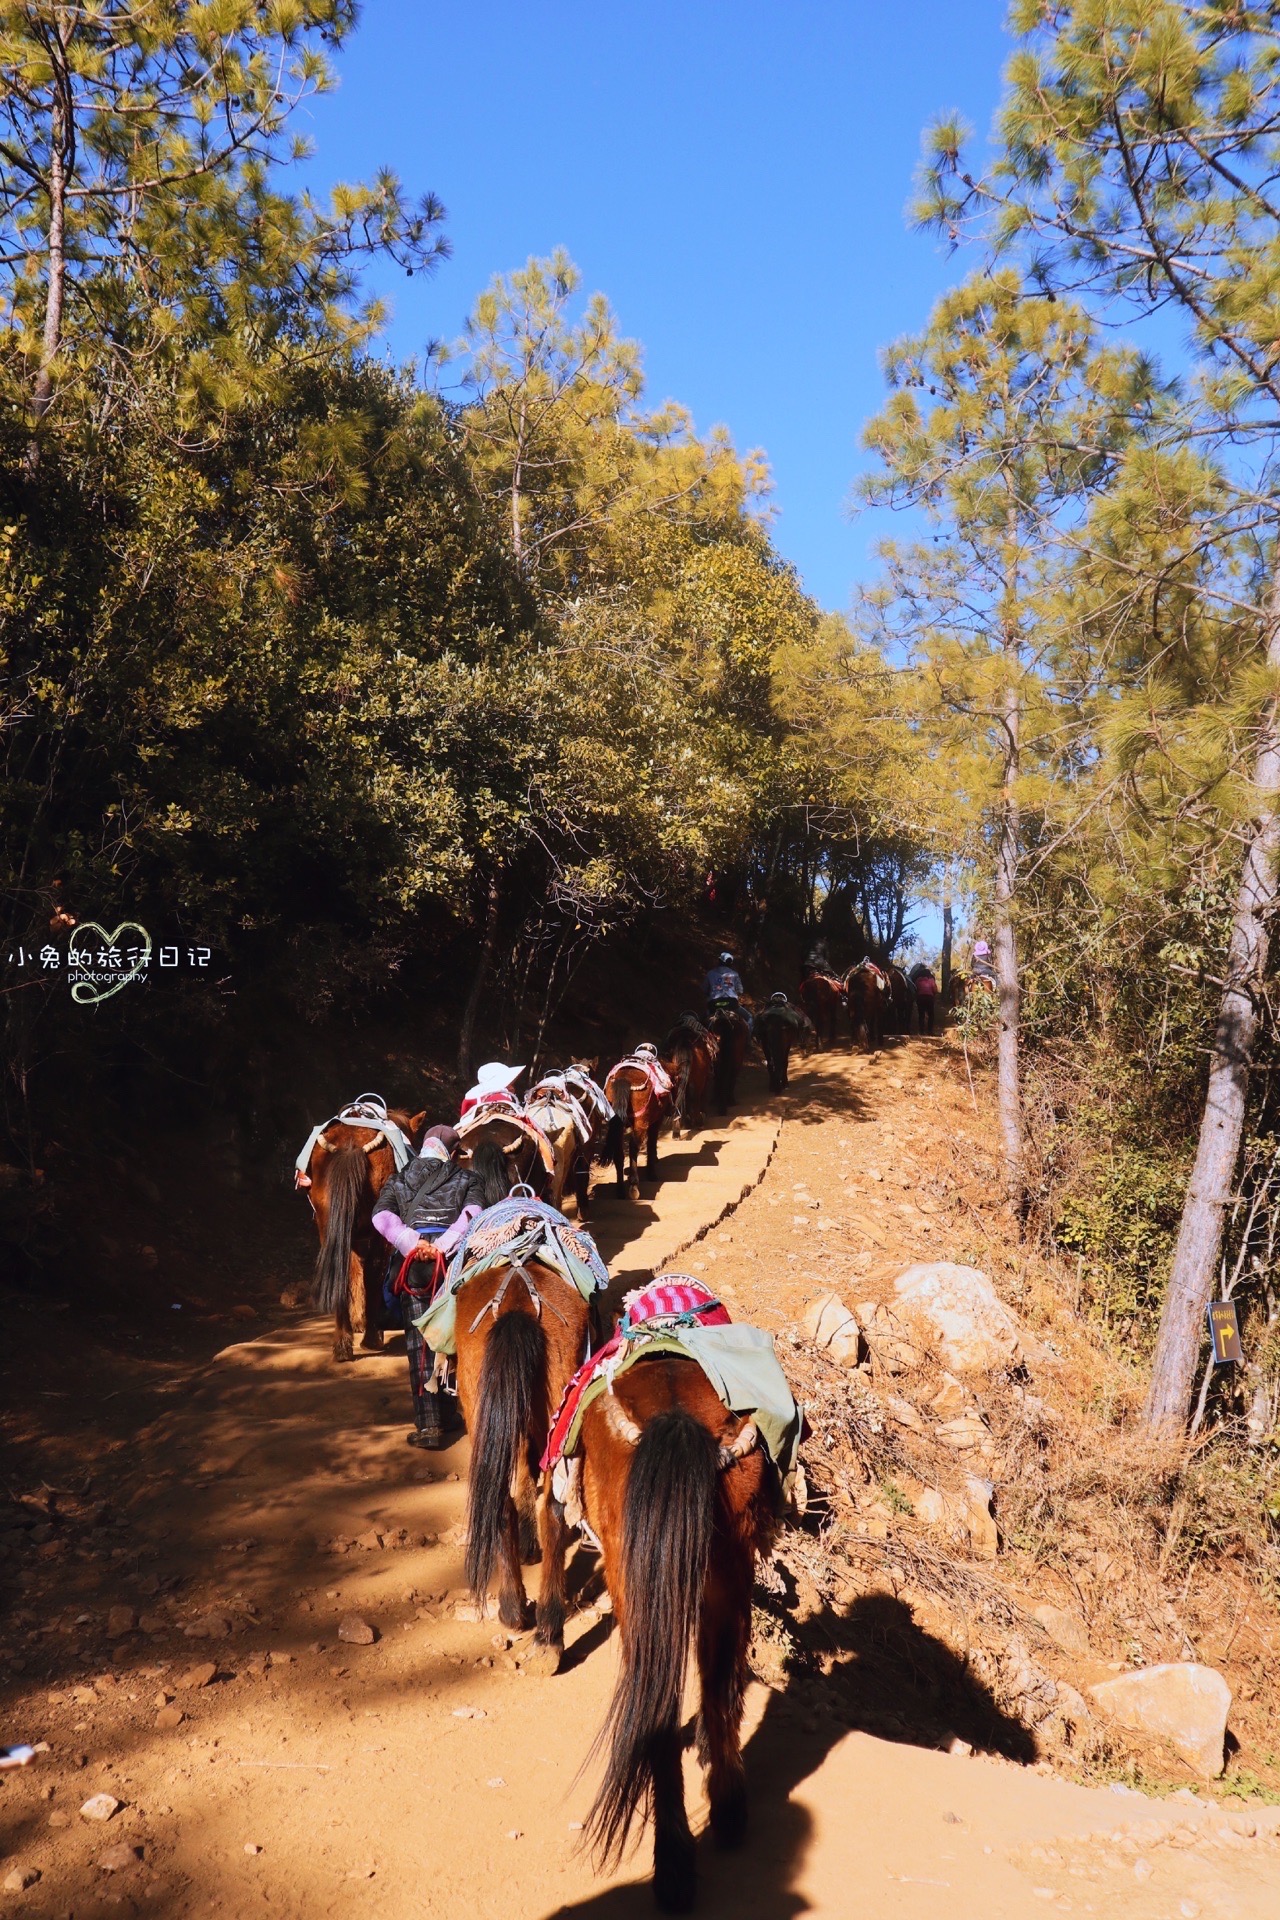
(959, 1310)
(833, 1329)
(1183, 1703)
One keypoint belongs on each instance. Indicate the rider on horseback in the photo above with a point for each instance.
(422, 1213)
(722, 987)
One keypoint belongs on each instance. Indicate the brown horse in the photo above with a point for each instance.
(561, 1108)
(902, 999)
(348, 1168)
(639, 1111)
(528, 1154)
(732, 1036)
(680, 1497)
(521, 1337)
(868, 998)
(688, 1055)
(822, 996)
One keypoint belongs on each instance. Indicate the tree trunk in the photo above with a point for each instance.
(945, 982)
(55, 296)
(1008, 985)
(1199, 1245)
(484, 962)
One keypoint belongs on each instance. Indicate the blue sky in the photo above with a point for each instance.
(732, 175)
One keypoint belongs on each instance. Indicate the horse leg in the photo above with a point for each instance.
(633, 1166)
(349, 1320)
(675, 1870)
(548, 1641)
(582, 1184)
(370, 1285)
(724, 1632)
(651, 1150)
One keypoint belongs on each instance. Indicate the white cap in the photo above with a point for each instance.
(493, 1075)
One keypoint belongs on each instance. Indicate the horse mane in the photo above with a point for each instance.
(688, 1027)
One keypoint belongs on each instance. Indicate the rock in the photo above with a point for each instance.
(58, 1819)
(903, 1413)
(152, 1623)
(202, 1676)
(467, 1611)
(120, 1620)
(891, 1349)
(470, 1713)
(214, 1626)
(20, 1879)
(951, 1398)
(1062, 1627)
(1183, 1703)
(984, 1536)
(968, 1433)
(357, 1631)
(251, 1846)
(959, 1309)
(100, 1806)
(116, 1859)
(833, 1329)
(84, 1696)
(168, 1718)
(370, 1541)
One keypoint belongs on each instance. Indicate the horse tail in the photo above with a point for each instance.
(344, 1187)
(668, 1516)
(513, 1358)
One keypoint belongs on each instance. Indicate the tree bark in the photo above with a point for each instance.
(1204, 1210)
(55, 296)
(488, 945)
(1008, 983)
(945, 982)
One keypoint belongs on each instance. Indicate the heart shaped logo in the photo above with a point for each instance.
(87, 993)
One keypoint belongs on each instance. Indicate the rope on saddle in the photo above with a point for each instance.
(492, 1306)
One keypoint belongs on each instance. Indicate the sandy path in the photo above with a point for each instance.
(425, 1773)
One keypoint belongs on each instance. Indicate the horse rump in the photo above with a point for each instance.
(344, 1186)
(514, 1356)
(667, 1523)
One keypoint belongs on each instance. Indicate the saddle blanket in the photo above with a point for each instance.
(512, 1232)
(369, 1112)
(678, 1314)
(552, 1106)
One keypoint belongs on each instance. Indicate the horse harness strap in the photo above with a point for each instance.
(492, 1306)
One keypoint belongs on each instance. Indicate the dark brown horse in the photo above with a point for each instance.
(688, 1056)
(639, 1110)
(348, 1168)
(680, 1496)
(732, 1037)
(521, 1337)
(822, 997)
(902, 999)
(868, 996)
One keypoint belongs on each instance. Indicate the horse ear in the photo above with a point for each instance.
(418, 1122)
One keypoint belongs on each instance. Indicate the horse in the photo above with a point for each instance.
(681, 1499)
(347, 1169)
(778, 1028)
(561, 1106)
(868, 999)
(822, 996)
(640, 1105)
(732, 1034)
(529, 1154)
(689, 1055)
(902, 998)
(521, 1336)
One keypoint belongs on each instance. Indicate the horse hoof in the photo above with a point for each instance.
(542, 1659)
(372, 1342)
(343, 1352)
(511, 1613)
(633, 1191)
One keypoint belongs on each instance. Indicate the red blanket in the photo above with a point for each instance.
(670, 1298)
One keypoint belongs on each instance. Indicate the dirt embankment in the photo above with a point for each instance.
(179, 1593)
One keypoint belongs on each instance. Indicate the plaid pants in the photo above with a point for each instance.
(414, 1287)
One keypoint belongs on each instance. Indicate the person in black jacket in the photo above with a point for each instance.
(423, 1211)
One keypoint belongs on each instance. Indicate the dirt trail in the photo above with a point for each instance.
(273, 1496)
